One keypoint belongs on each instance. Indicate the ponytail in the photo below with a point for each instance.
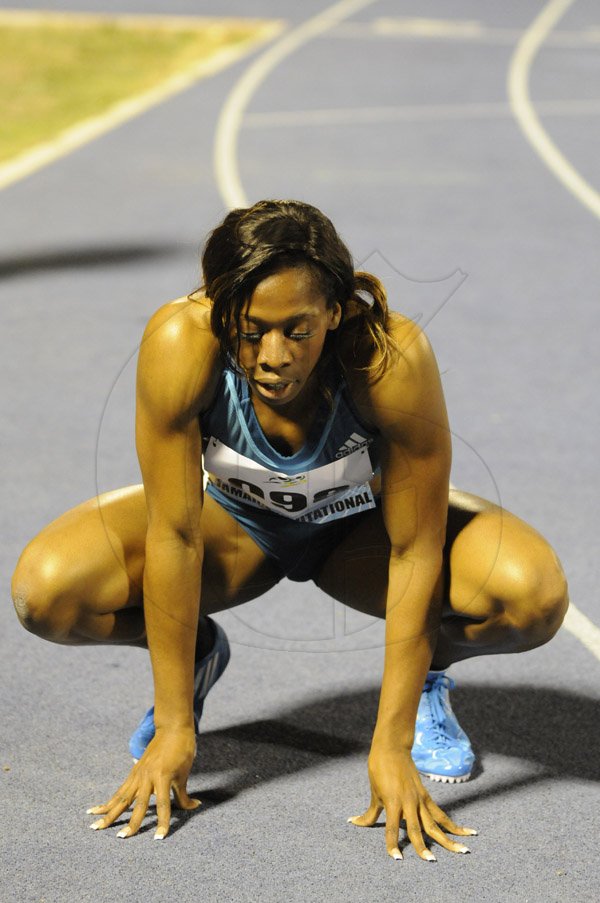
(371, 321)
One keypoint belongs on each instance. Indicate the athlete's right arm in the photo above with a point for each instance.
(176, 372)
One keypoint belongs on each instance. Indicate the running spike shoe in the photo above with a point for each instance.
(441, 751)
(206, 673)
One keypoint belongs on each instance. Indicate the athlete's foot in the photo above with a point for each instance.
(441, 751)
(208, 669)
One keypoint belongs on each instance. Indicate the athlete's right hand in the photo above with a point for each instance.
(165, 765)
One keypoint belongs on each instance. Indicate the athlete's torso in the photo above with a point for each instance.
(325, 479)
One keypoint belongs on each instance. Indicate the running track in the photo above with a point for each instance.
(459, 159)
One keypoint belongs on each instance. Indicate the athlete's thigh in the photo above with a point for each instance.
(356, 571)
(235, 568)
(96, 553)
(489, 553)
(495, 562)
(91, 554)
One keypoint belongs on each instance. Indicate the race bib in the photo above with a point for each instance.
(326, 493)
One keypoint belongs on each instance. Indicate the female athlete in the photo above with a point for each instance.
(318, 418)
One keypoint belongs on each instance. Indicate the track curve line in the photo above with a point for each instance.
(524, 112)
(583, 629)
(225, 158)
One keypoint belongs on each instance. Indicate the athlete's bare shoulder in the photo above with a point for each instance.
(188, 313)
(179, 360)
(406, 374)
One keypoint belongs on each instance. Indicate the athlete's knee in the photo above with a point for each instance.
(539, 600)
(40, 603)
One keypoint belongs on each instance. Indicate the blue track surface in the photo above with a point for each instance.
(420, 163)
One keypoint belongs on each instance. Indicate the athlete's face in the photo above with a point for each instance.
(282, 332)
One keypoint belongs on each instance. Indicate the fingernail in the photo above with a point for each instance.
(472, 831)
(159, 836)
(91, 811)
(97, 824)
(461, 848)
(428, 855)
(397, 855)
(125, 832)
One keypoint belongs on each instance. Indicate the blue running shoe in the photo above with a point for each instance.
(206, 673)
(441, 751)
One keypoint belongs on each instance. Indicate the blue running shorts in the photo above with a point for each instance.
(298, 549)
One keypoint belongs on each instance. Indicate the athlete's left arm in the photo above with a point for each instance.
(407, 406)
(408, 409)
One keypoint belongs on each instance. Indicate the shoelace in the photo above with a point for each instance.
(434, 689)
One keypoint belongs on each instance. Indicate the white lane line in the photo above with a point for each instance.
(228, 127)
(422, 113)
(525, 114)
(456, 30)
(461, 28)
(33, 18)
(583, 629)
(83, 132)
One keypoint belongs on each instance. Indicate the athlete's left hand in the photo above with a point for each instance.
(397, 787)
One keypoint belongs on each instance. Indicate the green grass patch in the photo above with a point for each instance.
(52, 76)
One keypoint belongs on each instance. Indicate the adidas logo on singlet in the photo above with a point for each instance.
(355, 442)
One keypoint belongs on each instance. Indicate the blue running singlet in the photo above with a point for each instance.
(296, 507)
